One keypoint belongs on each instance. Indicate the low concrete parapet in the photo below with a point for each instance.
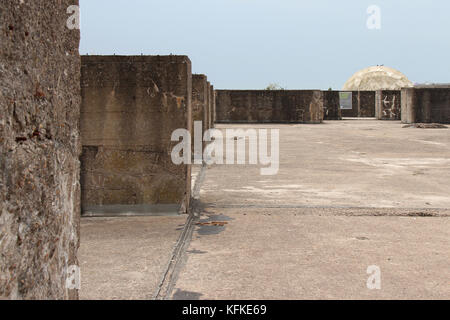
(269, 106)
(426, 104)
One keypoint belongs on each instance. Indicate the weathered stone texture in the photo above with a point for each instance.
(269, 106)
(213, 106)
(199, 99)
(363, 105)
(426, 105)
(388, 105)
(199, 104)
(39, 149)
(130, 107)
(209, 111)
(331, 105)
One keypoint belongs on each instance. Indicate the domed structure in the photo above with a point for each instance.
(377, 78)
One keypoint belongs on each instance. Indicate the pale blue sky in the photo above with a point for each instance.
(247, 44)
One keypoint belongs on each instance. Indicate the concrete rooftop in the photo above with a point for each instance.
(349, 194)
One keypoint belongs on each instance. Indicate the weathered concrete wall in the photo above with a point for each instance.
(426, 105)
(331, 105)
(130, 107)
(199, 103)
(366, 103)
(209, 112)
(199, 98)
(408, 113)
(388, 105)
(267, 106)
(213, 107)
(363, 105)
(39, 149)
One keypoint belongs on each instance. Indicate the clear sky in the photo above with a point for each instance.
(299, 44)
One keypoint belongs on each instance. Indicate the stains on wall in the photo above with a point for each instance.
(269, 106)
(331, 105)
(130, 107)
(39, 148)
(388, 105)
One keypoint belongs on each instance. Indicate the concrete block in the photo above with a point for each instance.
(209, 111)
(130, 107)
(213, 106)
(426, 105)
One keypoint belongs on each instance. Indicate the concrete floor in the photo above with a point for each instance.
(349, 194)
(284, 254)
(353, 163)
(124, 258)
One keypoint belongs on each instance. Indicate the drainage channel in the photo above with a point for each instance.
(178, 258)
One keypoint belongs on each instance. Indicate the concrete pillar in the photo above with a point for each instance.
(131, 106)
(213, 106)
(378, 104)
(209, 111)
(199, 106)
(408, 105)
(39, 147)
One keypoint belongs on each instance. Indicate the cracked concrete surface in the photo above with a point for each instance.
(349, 194)
(281, 254)
(352, 163)
(124, 258)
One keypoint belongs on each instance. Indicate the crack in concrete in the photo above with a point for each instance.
(344, 210)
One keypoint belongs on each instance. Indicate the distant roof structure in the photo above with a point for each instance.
(377, 78)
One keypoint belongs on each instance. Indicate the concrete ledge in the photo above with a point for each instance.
(132, 210)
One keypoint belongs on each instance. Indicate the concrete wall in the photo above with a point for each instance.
(200, 103)
(363, 105)
(266, 106)
(388, 105)
(130, 107)
(209, 112)
(213, 106)
(408, 113)
(331, 105)
(39, 148)
(199, 97)
(426, 105)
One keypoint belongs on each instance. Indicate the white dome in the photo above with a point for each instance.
(377, 78)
